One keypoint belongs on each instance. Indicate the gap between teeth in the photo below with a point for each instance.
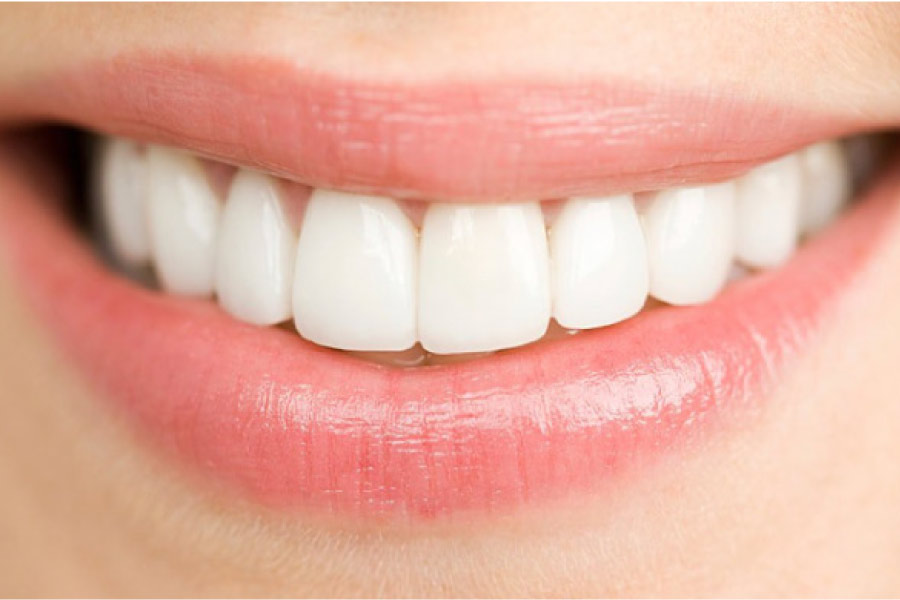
(374, 275)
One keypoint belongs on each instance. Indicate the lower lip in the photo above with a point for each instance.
(294, 425)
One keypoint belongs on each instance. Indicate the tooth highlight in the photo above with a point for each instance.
(767, 209)
(690, 234)
(183, 217)
(256, 248)
(355, 274)
(599, 262)
(827, 182)
(123, 199)
(484, 277)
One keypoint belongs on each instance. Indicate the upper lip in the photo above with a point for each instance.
(462, 140)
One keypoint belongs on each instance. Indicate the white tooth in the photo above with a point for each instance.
(355, 276)
(767, 209)
(183, 213)
(690, 242)
(123, 194)
(484, 277)
(255, 255)
(826, 182)
(599, 262)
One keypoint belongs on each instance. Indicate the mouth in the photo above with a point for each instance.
(385, 300)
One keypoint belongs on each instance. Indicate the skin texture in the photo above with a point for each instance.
(798, 500)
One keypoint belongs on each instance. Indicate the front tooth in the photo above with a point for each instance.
(183, 216)
(767, 208)
(255, 255)
(123, 197)
(484, 277)
(690, 235)
(355, 274)
(599, 262)
(827, 185)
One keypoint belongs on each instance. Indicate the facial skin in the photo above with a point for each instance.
(798, 499)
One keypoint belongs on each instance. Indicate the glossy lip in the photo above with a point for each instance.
(295, 425)
(465, 140)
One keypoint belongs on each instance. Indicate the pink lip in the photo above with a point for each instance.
(298, 426)
(462, 140)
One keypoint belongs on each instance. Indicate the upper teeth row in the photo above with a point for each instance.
(359, 275)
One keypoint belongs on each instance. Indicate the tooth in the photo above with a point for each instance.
(599, 262)
(827, 183)
(255, 252)
(862, 152)
(767, 211)
(123, 195)
(183, 215)
(484, 277)
(690, 235)
(355, 275)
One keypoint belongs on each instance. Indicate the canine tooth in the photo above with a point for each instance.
(355, 273)
(484, 277)
(690, 234)
(599, 262)
(123, 197)
(767, 209)
(255, 251)
(183, 215)
(827, 185)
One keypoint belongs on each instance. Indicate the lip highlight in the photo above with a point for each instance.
(464, 140)
(295, 425)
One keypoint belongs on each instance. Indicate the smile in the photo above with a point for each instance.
(400, 302)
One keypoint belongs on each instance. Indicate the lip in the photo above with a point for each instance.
(294, 425)
(458, 140)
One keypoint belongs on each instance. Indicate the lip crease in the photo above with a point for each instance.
(464, 140)
(297, 426)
